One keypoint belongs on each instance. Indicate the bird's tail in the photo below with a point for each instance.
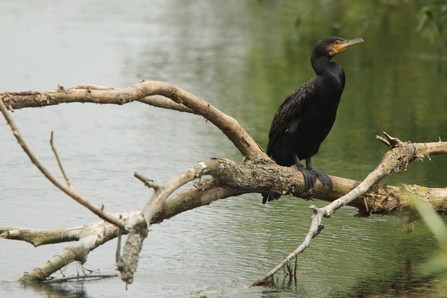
(269, 197)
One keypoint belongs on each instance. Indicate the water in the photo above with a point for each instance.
(243, 57)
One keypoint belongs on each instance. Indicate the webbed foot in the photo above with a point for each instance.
(311, 176)
(325, 179)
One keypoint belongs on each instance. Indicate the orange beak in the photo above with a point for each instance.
(343, 45)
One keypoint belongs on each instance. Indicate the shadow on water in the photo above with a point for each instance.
(244, 57)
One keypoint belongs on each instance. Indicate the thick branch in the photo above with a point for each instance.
(41, 237)
(181, 100)
(248, 177)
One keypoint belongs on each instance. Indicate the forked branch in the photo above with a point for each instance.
(66, 189)
(217, 178)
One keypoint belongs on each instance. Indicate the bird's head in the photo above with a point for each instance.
(330, 46)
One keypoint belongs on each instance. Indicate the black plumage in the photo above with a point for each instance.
(306, 116)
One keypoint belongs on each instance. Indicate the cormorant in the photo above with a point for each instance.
(306, 116)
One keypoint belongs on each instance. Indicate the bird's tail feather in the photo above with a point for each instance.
(269, 197)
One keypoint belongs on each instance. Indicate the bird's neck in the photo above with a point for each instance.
(320, 64)
(330, 70)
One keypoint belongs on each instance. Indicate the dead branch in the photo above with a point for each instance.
(68, 190)
(41, 237)
(128, 264)
(220, 186)
(147, 182)
(80, 277)
(217, 178)
(89, 93)
(59, 162)
(87, 238)
(179, 99)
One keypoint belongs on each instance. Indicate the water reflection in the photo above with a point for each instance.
(69, 290)
(243, 57)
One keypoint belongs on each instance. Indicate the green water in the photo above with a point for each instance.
(244, 57)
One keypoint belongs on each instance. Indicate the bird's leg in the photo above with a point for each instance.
(319, 175)
(309, 177)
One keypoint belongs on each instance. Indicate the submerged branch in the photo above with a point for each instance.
(87, 238)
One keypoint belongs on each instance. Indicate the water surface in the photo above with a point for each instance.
(243, 57)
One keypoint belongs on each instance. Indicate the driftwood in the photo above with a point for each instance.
(214, 179)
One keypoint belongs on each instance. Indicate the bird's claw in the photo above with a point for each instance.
(311, 176)
(324, 178)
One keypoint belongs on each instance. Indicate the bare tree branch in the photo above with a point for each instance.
(396, 159)
(162, 193)
(209, 189)
(216, 178)
(80, 277)
(90, 238)
(147, 182)
(128, 264)
(41, 237)
(59, 162)
(70, 192)
(181, 100)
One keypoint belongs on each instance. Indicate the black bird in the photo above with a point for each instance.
(306, 116)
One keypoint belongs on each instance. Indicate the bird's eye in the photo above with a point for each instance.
(337, 42)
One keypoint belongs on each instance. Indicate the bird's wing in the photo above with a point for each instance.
(289, 113)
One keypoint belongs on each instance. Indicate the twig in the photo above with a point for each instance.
(54, 280)
(147, 182)
(70, 192)
(53, 147)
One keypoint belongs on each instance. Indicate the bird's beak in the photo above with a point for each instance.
(346, 43)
